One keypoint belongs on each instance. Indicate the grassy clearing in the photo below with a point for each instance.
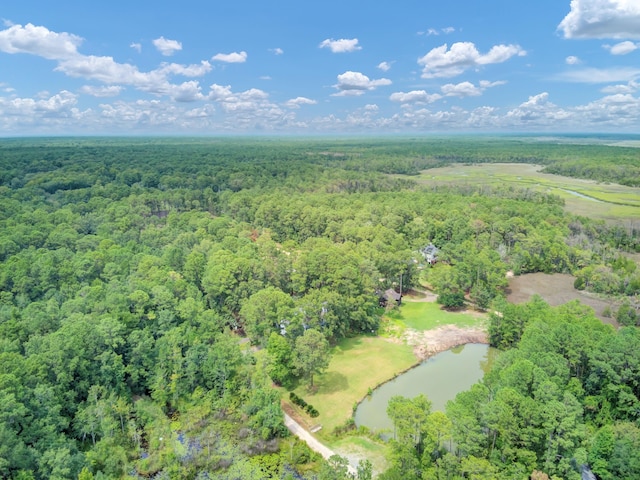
(363, 447)
(357, 364)
(605, 201)
(428, 315)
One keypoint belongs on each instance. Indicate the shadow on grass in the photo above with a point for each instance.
(345, 345)
(332, 382)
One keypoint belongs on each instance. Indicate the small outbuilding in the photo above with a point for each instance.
(389, 297)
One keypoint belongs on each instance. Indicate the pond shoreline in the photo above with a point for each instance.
(431, 342)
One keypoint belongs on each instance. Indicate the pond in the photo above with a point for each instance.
(440, 378)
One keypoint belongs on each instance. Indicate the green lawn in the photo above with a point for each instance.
(429, 315)
(357, 364)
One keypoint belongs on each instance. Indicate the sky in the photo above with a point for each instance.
(281, 67)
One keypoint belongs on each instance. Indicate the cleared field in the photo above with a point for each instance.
(357, 364)
(555, 289)
(606, 201)
(429, 315)
(357, 448)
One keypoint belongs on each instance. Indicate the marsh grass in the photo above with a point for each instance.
(606, 201)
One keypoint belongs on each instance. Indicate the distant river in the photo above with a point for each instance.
(440, 378)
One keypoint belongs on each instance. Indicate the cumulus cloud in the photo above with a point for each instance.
(234, 57)
(444, 62)
(136, 46)
(194, 70)
(102, 91)
(167, 47)
(468, 89)
(537, 110)
(296, 102)
(622, 48)
(600, 75)
(415, 96)
(60, 105)
(384, 66)
(39, 41)
(355, 83)
(62, 47)
(602, 19)
(343, 45)
(276, 51)
(464, 89)
(630, 87)
(572, 60)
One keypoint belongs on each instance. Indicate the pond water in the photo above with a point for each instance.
(440, 378)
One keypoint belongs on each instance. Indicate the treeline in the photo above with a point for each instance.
(132, 271)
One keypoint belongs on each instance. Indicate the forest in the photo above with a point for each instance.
(159, 296)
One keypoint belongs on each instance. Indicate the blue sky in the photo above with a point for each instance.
(333, 67)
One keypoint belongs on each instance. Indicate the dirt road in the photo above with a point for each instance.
(297, 429)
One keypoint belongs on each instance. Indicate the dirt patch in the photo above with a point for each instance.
(428, 343)
(417, 295)
(556, 289)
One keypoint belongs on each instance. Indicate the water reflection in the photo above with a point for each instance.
(441, 378)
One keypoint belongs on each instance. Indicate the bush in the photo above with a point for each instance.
(310, 409)
(451, 300)
(297, 400)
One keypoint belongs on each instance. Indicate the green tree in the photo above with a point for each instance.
(311, 354)
(281, 360)
(264, 311)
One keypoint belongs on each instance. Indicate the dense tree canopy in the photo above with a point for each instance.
(131, 270)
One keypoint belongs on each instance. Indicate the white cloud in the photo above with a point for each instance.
(572, 60)
(415, 96)
(102, 91)
(167, 47)
(622, 48)
(296, 102)
(136, 46)
(276, 51)
(54, 109)
(602, 19)
(195, 70)
(39, 41)
(444, 62)
(104, 69)
(468, 89)
(435, 32)
(598, 75)
(464, 89)
(630, 87)
(343, 45)
(355, 83)
(6, 88)
(384, 66)
(234, 57)
(537, 111)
